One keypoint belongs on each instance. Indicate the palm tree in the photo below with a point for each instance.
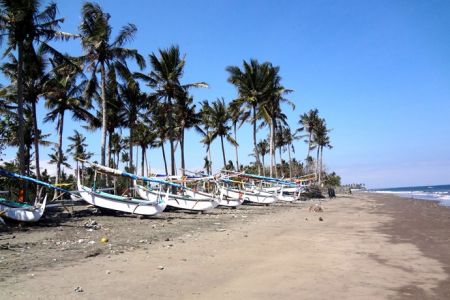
(23, 24)
(263, 149)
(238, 117)
(308, 121)
(217, 119)
(105, 55)
(156, 119)
(33, 87)
(78, 148)
(144, 137)
(254, 83)
(64, 93)
(206, 134)
(165, 79)
(117, 146)
(132, 100)
(320, 139)
(187, 118)
(286, 141)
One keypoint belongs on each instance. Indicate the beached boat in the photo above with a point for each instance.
(187, 199)
(254, 195)
(22, 212)
(119, 203)
(25, 212)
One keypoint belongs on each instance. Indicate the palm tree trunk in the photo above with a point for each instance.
(317, 163)
(309, 144)
(263, 166)
(183, 166)
(146, 162)
(281, 163)
(110, 133)
(271, 148)
(20, 107)
(164, 158)
(258, 163)
(104, 119)
(209, 160)
(320, 172)
(236, 147)
(131, 148)
(36, 141)
(142, 160)
(223, 153)
(290, 161)
(60, 154)
(171, 138)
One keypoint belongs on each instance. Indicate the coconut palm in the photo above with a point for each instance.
(105, 55)
(23, 25)
(218, 119)
(33, 87)
(64, 94)
(145, 138)
(309, 121)
(117, 146)
(254, 83)
(238, 117)
(165, 78)
(78, 148)
(132, 100)
(187, 117)
(263, 149)
(320, 140)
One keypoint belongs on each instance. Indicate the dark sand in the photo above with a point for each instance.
(367, 247)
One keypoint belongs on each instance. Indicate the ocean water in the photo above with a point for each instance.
(440, 193)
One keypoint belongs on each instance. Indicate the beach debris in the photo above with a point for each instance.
(143, 241)
(104, 240)
(91, 242)
(220, 229)
(161, 268)
(320, 219)
(94, 253)
(92, 224)
(78, 289)
(108, 272)
(315, 208)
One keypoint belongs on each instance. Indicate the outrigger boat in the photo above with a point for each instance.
(135, 206)
(202, 193)
(245, 193)
(24, 212)
(189, 199)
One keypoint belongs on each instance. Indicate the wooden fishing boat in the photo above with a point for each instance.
(256, 196)
(187, 199)
(119, 203)
(22, 212)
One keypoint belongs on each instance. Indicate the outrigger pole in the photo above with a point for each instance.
(14, 175)
(130, 175)
(264, 178)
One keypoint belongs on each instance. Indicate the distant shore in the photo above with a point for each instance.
(362, 246)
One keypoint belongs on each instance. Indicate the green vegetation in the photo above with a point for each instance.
(99, 90)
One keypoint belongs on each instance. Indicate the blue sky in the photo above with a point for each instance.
(378, 71)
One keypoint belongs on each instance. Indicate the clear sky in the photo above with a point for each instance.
(378, 71)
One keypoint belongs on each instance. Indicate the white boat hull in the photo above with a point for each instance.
(251, 196)
(28, 213)
(195, 202)
(123, 204)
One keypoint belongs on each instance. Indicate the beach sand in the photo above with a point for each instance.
(366, 247)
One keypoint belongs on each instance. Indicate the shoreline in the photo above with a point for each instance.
(365, 246)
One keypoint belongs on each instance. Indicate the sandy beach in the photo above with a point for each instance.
(361, 246)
